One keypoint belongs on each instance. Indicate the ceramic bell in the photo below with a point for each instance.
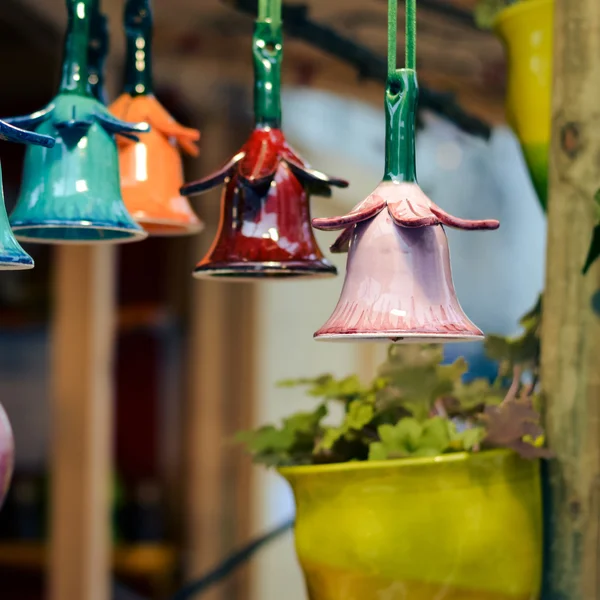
(71, 193)
(12, 256)
(265, 213)
(398, 283)
(7, 454)
(151, 168)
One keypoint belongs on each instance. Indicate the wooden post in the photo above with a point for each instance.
(220, 397)
(82, 350)
(571, 331)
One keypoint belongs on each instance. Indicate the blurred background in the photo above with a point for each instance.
(195, 362)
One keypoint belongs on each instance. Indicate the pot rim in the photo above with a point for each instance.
(374, 465)
(516, 9)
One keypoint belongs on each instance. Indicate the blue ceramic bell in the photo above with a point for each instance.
(71, 193)
(12, 256)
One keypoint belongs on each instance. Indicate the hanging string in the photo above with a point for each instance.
(269, 10)
(411, 35)
(392, 36)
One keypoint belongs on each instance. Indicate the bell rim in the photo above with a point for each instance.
(178, 228)
(399, 337)
(11, 265)
(248, 271)
(136, 234)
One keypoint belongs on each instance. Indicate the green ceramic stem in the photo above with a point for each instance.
(401, 97)
(74, 69)
(267, 51)
(97, 53)
(138, 31)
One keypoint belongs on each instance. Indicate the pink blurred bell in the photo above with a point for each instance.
(7, 454)
(398, 283)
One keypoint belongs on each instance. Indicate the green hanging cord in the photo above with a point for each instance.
(401, 96)
(138, 31)
(267, 50)
(411, 35)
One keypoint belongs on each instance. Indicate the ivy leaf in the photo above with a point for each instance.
(359, 415)
(472, 396)
(509, 423)
(469, 439)
(416, 379)
(292, 443)
(523, 349)
(409, 437)
(486, 10)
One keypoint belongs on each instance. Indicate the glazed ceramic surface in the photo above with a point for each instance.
(71, 193)
(398, 283)
(265, 226)
(151, 168)
(7, 454)
(526, 29)
(455, 527)
(12, 256)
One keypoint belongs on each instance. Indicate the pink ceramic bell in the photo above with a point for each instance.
(7, 454)
(398, 282)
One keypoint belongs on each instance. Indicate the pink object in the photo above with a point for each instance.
(7, 454)
(398, 282)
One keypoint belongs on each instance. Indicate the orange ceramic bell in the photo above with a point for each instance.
(151, 169)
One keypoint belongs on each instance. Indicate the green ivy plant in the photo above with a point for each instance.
(415, 406)
(487, 10)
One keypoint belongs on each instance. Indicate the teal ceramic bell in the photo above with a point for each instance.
(12, 256)
(71, 192)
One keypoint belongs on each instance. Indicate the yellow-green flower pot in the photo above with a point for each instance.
(455, 527)
(526, 29)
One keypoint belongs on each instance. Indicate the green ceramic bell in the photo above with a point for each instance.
(12, 256)
(71, 193)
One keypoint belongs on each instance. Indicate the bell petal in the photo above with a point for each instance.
(304, 172)
(162, 121)
(10, 133)
(216, 178)
(411, 214)
(342, 242)
(115, 126)
(33, 120)
(260, 161)
(459, 223)
(364, 210)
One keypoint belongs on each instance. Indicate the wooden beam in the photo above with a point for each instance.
(571, 331)
(82, 392)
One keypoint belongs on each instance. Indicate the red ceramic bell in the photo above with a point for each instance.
(265, 226)
(398, 282)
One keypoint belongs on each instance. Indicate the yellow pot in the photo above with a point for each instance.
(455, 527)
(526, 28)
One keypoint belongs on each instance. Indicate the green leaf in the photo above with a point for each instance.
(522, 349)
(594, 251)
(409, 437)
(470, 438)
(292, 443)
(358, 415)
